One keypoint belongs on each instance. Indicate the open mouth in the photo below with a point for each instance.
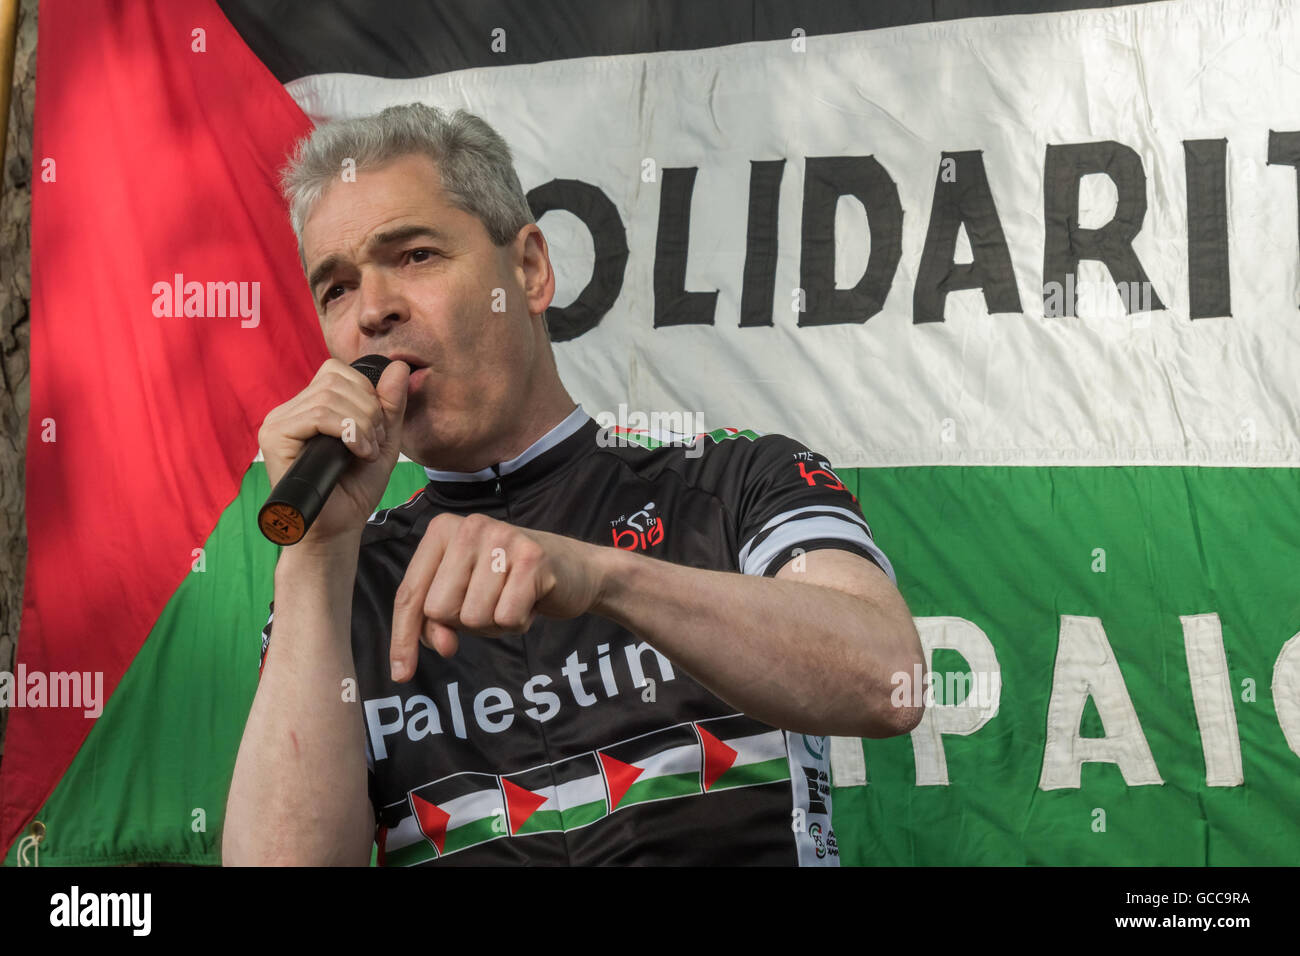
(411, 363)
(418, 375)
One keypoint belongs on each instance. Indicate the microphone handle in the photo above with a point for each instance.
(302, 491)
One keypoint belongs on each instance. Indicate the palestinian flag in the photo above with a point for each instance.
(741, 752)
(459, 811)
(401, 842)
(1027, 278)
(563, 796)
(655, 766)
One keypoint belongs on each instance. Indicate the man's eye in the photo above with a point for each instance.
(332, 293)
(420, 255)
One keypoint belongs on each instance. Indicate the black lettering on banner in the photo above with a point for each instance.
(815, 802)
(608, 237)
(826, 179)
(964, 198)
(1209, 294)
(1066, 244)
(673, 304)
(1284, 150)
(759, 285)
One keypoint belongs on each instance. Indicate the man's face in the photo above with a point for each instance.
(395, 269)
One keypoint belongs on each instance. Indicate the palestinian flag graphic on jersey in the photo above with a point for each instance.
(1106, 478)
(468, 809)
(741, 752)
(566, 795)
(656, 766)
(459, 811)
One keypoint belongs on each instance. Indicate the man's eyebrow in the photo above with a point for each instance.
(321, 271)
(391, 237)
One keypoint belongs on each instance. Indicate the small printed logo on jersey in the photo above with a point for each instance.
(823, 845)
(815, 831)
(639, 531)
(816, 747)
(815, 471)
(819, 787)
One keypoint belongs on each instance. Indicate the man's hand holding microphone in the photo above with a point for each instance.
(364, 414)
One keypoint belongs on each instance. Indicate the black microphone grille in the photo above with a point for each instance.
(372, 366)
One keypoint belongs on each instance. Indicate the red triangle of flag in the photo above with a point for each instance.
(520, 804)
(191, 195)
(432, 819)
(619, 776)
(718, 757)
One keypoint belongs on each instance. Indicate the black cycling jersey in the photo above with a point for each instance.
(579, 743)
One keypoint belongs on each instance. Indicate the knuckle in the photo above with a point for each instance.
(322, 414)
(529, 554)
(406, 598)
(335, 373)
(444, 521)
(327, 367)
(510, 620)
(476, 523)
(439, 608)
(476, 620)
(470, 529)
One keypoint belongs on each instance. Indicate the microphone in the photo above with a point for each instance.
(302, 491)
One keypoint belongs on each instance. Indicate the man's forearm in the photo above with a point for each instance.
(799, 656)
(298, 794)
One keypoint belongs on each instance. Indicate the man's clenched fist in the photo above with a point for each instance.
(474, 573)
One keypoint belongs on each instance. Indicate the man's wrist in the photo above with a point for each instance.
(326, 554)
(617, 570)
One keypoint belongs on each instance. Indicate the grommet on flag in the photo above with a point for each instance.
(30, 844)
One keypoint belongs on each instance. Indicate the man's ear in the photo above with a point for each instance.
(532, 259)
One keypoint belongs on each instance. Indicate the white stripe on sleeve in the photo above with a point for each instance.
(791, 533)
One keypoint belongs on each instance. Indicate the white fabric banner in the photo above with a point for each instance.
(1015, 387)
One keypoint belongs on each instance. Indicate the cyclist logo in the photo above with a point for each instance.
(639, 531)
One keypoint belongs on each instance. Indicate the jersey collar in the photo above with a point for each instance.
(568, 440)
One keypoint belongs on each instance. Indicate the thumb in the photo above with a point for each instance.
(392, 396)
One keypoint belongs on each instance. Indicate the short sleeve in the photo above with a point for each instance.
(792, 502)
(266, 639)
(266, 643)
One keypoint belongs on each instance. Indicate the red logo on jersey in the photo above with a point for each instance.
(638, 532)
(823, 476)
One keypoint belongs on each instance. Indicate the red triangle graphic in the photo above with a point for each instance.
(619, 775)
(718, 757)
(520, 804)
(432, 819)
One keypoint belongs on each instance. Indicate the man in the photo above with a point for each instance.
(546, 655)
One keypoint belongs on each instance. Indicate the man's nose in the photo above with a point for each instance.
(382, 303)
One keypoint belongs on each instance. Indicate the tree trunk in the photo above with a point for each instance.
(15, 338)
